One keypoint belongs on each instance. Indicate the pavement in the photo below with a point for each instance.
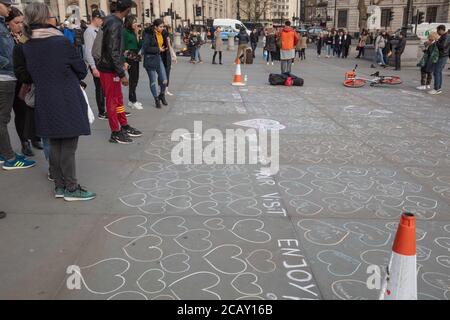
(350, 161)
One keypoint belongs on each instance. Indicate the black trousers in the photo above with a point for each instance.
(99, 95)
(361, 52)
(398, 61)
(220, 56)
(133, 73)
(24, 121)
(62, 162)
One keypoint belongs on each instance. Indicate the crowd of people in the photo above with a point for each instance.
(41, 78)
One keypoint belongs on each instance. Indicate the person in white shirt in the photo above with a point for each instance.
(89, 37)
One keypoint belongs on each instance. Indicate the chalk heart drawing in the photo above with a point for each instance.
(195, 240)
(144, 249)
(222, 184)
(162, 193)
(447, 227)
(323, 172)
(443, 261)
(305, 207)
(202, 179)
(437, 280)
(422, 253)
(128, 227)
(245, 207)
(422, 202)
(261, 261)
(348, 289)
(146, 184)
(420, 213)
(358, 196)
(339, 264)
(151, 281)
(169, 226)
(163, 297)
(134, 200)
(376, 256)
(171, 175)
(420, 234)
(224, 259)
(153, 208)
(368, 235)
(214, 224)
(176, 263)
(329, 187)
(322, 233)
(206, 208)
(241, 178)
(222, 197)
(128, 295)
(202, 191)
(342, 206)
(420, 172)
(295, 189)
(180, 202)
(153, 167)
(443, 242)
(111, 270)
(180, 184)
(357, 183)
(242, 190)
(197, 285)
(264, 124)
(251, 230)
(291, 173)
(247, 284)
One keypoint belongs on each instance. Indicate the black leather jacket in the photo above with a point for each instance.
(443, 45)
(112, 59)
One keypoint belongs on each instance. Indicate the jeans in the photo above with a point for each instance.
(437, 73)
(254, 45)
(153, 75)
(198, 57)
(329, 50)
(7, 92)
(286, 66)
(62, 162)
(379, 57)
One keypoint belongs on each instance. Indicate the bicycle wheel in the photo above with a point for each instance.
(354, 83)
(392, 80)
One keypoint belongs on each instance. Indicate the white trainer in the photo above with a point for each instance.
(135, 106)
(421, 88)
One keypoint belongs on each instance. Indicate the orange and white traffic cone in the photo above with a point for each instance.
(237, 79)
(401, 279)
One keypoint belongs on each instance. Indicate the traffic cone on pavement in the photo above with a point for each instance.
(237, 79)
(401, 279)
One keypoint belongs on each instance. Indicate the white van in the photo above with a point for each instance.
(229, 27)
(425, 29)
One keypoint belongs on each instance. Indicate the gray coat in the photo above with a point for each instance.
(218, 42)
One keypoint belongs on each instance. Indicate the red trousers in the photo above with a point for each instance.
(112, 88)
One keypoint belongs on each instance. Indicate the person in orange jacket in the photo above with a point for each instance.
(289, 39)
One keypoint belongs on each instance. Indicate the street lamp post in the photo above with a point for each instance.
(87, 10)
(335, 14)
(238, 15)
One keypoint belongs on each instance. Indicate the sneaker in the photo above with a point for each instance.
(132, 132)
(428, 87)
(79, 194)
(18, 163)
(421, 88)
(267, 63)
(49, 177)
(135, 105)
(169, 93)
(272, 62)
(434, 92)
(103, 116)
(2, 160)
(120, 137)
(127, 114)
(59, 192)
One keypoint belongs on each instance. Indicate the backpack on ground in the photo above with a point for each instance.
(97, 46)
(285, 80)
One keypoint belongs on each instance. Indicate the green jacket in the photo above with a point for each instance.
(430, 56)
(131, 42)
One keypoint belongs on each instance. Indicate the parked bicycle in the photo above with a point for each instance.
(353, 81)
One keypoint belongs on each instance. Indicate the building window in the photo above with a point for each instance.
(431, 14)
(385, 15)
(342, 18)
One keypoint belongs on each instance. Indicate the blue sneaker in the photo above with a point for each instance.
(79, 194)
(18, 163)
(18, 157)
(2, 160)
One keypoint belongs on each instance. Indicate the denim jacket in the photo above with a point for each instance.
(6, 49)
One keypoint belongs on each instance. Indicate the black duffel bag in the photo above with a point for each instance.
(280, 79)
